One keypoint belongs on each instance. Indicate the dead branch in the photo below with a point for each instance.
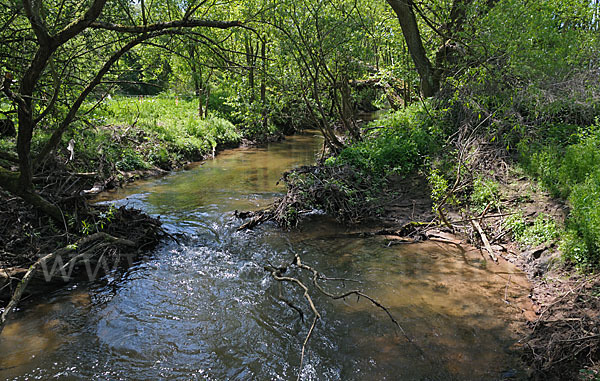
(358, 293)
(18, 293)
(277, 274)
(486, 243)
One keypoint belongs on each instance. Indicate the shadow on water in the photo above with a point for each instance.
(206, 309)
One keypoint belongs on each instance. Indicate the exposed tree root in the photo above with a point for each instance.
(256, 218)
(566, 334)
(92, 243)
(25, 234)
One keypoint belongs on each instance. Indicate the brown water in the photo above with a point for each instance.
(206, 309)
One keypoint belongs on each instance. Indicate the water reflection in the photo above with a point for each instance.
(206, 309)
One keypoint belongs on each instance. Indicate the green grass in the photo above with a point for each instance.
(134, 133)
(174, 120)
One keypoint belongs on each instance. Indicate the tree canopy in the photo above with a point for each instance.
(270, 64)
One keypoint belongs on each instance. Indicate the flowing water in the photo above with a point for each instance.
(205, 308)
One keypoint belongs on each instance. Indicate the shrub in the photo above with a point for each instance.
(399, 143)
(573, 173)
(485, 192)
(131, 160)
(583, 245)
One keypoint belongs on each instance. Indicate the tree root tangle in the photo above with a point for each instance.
(92, 243)
(566, 333)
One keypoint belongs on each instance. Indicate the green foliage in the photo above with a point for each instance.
(400, 145)
(544, 37)
(174, 119)
(7, 145)
(131, 160)
(86, 227)
(560, 167)
(95, 225)
(583, 243)
(573, 172)
(485, 192)
(516, 224)
(542, 230)
(136, 133)
(439, 189)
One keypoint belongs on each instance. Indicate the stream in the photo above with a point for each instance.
(205, 308)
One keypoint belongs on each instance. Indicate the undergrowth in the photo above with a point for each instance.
(572, 171)
(399, 142)
(353, 184)
(138, 133)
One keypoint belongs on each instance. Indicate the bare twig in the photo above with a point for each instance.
(17, 295)
(486, 243)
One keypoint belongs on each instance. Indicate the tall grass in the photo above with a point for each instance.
(140, 132)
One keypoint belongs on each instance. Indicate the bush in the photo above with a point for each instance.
(131, 160)
(399, 142)
(573, 173)
(485, 192)
(583, 245)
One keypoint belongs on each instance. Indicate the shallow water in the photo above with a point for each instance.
(206, 309)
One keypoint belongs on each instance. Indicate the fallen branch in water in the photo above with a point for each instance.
(256, 218)
(104, 239)
(485, 241)
(278, 274)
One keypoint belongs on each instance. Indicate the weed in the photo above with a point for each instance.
(542, 230)
(485, 192)
(439, 189)
(516, 224)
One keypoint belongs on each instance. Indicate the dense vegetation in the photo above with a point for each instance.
(526, 84)
(472, 87)
(520, 76)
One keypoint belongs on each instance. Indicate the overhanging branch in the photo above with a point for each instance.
(187, 23)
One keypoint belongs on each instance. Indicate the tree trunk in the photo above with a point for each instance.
(263, 83)
(250, 64)
(11, 181)
(430, 81)
(197, 77)
(263, 79)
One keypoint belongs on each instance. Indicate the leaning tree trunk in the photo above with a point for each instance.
(430, 81)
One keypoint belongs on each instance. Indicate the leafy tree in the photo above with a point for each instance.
(67, 49)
